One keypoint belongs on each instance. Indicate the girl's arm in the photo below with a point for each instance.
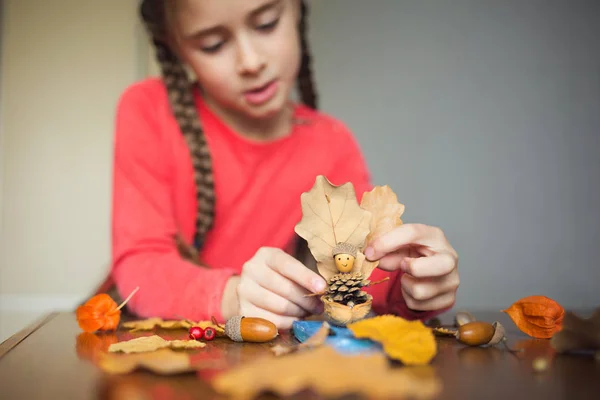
(144, 247)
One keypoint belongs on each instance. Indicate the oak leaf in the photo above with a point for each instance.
(163, 361)
(537, 316)
(329, 374)
(386, 214)
(153, 343)
(151, 323)
(410, 342)
(331, 215)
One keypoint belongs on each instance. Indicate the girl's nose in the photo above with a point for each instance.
(250, 59)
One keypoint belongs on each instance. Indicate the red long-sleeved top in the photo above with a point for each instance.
(257, 187)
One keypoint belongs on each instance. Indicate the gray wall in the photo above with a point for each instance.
(484, 117)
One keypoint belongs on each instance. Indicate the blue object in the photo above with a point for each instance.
(341, 339)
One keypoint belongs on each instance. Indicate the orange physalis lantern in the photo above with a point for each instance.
(100, 313)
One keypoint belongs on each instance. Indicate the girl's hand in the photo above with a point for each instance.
(429, 263)
(273, 285)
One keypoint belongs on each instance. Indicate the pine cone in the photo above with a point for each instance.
(345, 288)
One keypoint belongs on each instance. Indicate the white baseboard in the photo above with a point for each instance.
(32, 303)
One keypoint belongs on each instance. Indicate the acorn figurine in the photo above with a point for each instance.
(344, 301)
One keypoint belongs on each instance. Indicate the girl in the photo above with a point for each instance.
(208, 175)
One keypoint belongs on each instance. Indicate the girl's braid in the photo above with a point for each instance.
(305, 78)
(181, 99)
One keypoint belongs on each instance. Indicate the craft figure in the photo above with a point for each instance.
(337, 229)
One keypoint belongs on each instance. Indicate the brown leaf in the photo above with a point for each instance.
(578, 333)
(163, 362)
(331, 215)
(386, 211)
(410, 342)
(538, 316)
(329, 374)
(153, 343)
(151, 323)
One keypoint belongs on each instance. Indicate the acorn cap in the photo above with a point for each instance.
(344, 248)
(232, 328)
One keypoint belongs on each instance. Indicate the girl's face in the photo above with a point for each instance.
(245, 53)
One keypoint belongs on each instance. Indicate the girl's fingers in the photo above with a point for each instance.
(269, 301)
(282, 322)
(426, 289)
(406, 235)
(439, 302)
(288, 266)
(272, 281)
(439, 264)
(392, 261)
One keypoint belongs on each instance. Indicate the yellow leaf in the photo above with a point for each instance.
(152, 343)
(329, 374)
(163, 361)
(410, 342)
(331, 215)
(386, 211)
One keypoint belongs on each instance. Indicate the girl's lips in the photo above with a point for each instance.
(262, 94)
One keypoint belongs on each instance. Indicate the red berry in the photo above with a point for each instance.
(209, 333)
(196, 333)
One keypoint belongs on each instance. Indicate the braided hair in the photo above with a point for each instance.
(181, 98)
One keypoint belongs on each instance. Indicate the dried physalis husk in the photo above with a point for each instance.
(153, 343)
(538, 316)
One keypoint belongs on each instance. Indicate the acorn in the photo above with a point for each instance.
(475, 333)
(249, 329)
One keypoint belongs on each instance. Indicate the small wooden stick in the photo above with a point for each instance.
(125, 301)
(380, 281)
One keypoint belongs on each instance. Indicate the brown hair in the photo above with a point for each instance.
(180, 91)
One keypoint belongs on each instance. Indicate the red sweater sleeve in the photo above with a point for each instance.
(387, 296)
(144, 252)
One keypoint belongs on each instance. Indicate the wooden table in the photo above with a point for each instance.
(45, 361)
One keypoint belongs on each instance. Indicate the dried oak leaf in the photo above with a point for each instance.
(538, 316)
(329, 374)
(151, 323)
(578, 333)
(152, 343)
(163, 361)
(386, 214)
(410, 342)
(330, 215)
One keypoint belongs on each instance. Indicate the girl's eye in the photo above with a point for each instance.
(268, 26)
(212, 49)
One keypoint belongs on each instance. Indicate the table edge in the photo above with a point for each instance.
(11, 342)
